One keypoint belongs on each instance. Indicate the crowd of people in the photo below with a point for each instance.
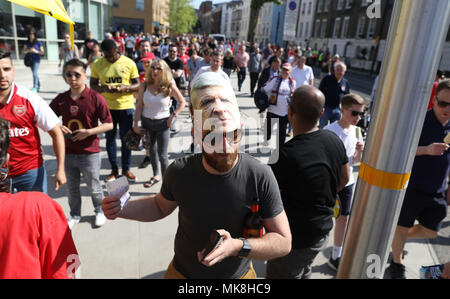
(140, 84)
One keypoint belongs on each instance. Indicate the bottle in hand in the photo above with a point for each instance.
(253, 226)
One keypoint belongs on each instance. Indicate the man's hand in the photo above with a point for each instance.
(81, 134)
(111, 207)
(60, 179)
(228, 247)
(437, 149)
(66, 130)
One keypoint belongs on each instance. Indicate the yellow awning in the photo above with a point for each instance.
(52, 8)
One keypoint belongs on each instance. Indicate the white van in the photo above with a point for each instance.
(218, 37)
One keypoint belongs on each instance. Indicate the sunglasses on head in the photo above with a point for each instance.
(232, 137)
(70, 75)
(442, 104)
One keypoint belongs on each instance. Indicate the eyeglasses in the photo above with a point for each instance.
(357, 113)
(232, 137)
(442, 104)
(70, 75)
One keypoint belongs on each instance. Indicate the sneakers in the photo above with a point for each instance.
(130, 176)
(73, 220)
(334, 264)
(397, 271)
(100, 219)
(145, 162)
(112, 176)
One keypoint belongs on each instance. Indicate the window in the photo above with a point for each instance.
(361, 24)
(307, 30)
(327, 5)
(345, 27)
(115, 3)
(320, 6)
(340, 4)
(323, 28)
(348, 4)
(371, 28)
(337, 27)
(300, 30)
(309, 7)
(6, 23)
(140, 5)
(317, 28)
(364, 3)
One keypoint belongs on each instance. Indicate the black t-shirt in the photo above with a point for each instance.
(333, 90)
(308, 172)
(208, 202)
(176, 65)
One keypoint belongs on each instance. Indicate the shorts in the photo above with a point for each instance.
(428, 209)
(345, 200)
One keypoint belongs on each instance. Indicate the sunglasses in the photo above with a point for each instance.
(70, 75)
(232, 137)
(156, 68)
(172, 51)
(357, 113)
(442, 104)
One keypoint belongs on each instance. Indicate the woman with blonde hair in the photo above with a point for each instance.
(153, 109)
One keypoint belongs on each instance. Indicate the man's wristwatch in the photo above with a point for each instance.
(245, 250)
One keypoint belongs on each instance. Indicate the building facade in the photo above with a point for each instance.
(16, 21)
(148, 16)
(305, 22)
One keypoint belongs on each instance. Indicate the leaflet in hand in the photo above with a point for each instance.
(119, 188)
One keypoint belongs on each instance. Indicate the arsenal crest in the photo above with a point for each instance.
(19, 110)
(74, 110)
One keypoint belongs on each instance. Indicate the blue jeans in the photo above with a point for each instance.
(241, 77)
(123, 118)
(32, 180)
(34, 69)
(331, 115)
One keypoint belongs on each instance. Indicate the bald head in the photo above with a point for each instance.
(307, 104)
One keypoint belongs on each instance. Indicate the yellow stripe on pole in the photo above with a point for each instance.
(72, 36)
(383, 179)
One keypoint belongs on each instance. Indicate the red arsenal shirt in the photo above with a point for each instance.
(83, 113)
(35, 240)
(26, 112)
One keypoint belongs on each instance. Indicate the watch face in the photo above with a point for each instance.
(245, 250)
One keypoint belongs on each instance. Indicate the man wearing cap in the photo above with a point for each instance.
(279, 89)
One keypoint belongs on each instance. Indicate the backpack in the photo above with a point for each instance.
(28, 59)
(261, 100)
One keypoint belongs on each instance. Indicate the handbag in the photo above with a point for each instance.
(28, 59)
(133, 140)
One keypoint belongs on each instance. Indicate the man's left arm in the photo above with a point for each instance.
(60, 152)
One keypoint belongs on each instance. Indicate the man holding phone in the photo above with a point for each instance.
(208, 189)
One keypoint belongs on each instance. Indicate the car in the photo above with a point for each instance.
(218, 37)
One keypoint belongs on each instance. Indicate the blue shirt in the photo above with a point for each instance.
(37, 45)
(429, 173)
(333, 90)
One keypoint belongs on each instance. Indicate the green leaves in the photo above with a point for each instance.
(182, 16)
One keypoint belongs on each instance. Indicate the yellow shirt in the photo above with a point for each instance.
(118, 73)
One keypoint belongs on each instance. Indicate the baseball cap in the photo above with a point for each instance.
(287, 66)
(148, 56)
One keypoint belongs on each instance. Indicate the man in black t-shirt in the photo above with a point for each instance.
(177, 67)
(311, 168)
(213, 190)
(88, 45)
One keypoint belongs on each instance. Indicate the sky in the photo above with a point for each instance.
(196, 3)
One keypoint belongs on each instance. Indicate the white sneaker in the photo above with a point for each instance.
(73, 220)
(100, 219)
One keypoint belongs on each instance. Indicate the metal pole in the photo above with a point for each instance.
(414, 46)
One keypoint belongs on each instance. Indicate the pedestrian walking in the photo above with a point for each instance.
(81, 108)
(153, 109)
(65, 51)
(426, 196)
(115, 76)
(241, 58)
(352, 109)
(35, 242)
(207, 189)
(334, 87)
(255, 66)
(228, 62)
(279, 89)
(27, 112)
(311, 168)
(34, 48)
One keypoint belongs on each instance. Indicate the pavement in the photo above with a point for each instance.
(129, 249)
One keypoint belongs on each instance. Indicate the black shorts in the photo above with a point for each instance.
(428, 209)
(345, 200)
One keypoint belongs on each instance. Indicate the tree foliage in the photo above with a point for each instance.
(182, 16)
(255, 7)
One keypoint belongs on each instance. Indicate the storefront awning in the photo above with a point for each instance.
(52, 8)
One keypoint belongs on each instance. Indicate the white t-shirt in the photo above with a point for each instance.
(281, 108)
(302, 76)
(156, 106)
(130, 42)
(349, 139)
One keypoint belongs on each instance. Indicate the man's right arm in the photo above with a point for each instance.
(147, 209)
(434, 149)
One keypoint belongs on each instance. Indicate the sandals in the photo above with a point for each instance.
(153, 181)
